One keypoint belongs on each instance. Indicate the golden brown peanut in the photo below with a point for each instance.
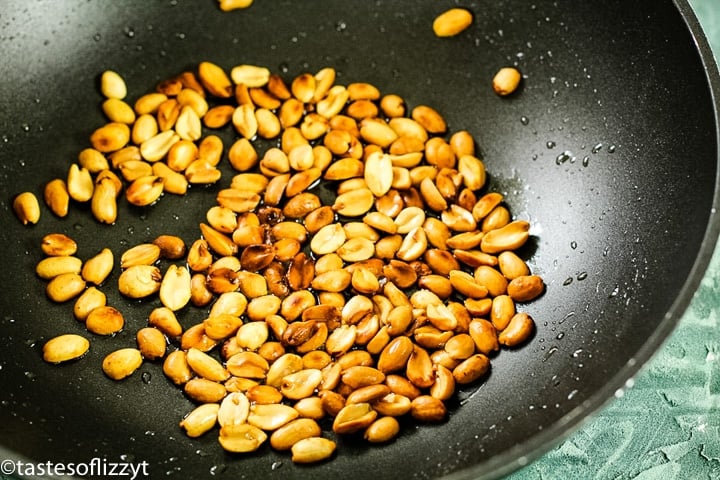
(64, 287)
(145, 190)
(176, 368)
(300, 384)
(395, 355)
(140, 281)
(525, 288)
(110, 137)
(144, 128)
(426, 408)
(214, 79)
(247, 364)
(79, 184)
(400, 385)
(460, 346)
(171, 246)
(221, 326)
(503, 309)
(394, 404)
(354, 418)
(382, 430)
(234, 409)
(484, 335)
(58, 244)
(392, 105)
(103, 203)
(122, 363)
(293, 432)
(301, 205)
(271, 416)
(96, 269)
(518, 330)
(361, 376)
(65, 347)
(491, 279)
(506, 81)
(250, 75)
(141, 254)
(104, 320)
(151, 343)
(452, 22)
(187, 126)
(149, 103)
(413, 245)
(181, 154)
(444, 386)
(471, 369)
(240, 438)
(56, 197)
(251, 335)
(200, 420)
(203, 390)
(112, 85)
(310, 407)
(206, 366)
(89, 300)
(264, 395)
(354, 203)
(193, 98)
(377, 132)
(51, 267)
(218, 116)
(195, 337)
(512, 266)
(202, 172)
(118, 111)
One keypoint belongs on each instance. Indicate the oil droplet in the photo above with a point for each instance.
(564, 157)
(97, 37)
(550, 144)
(217, 469)
(129, 31)
(550, 353)
(524, 120)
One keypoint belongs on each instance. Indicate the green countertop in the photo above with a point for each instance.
(667, 425)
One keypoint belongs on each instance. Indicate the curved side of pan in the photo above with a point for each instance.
(527, 451)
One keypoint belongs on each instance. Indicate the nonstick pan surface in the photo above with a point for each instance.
(609, 149)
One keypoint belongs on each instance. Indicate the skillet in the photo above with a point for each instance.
(609, 149)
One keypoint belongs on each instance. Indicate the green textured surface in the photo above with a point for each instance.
(667, 424)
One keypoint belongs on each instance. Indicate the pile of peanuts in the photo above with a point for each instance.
(375, 306)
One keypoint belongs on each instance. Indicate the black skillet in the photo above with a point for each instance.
(609, 149)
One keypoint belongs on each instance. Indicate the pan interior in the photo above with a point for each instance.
(609, 150)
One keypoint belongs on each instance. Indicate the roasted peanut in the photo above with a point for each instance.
(64, 348)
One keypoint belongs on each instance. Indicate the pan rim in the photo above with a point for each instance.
(542, 442)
